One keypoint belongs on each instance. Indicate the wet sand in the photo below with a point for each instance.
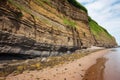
(74, 70)
(96, 71)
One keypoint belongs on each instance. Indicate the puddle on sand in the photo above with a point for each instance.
(96, 71)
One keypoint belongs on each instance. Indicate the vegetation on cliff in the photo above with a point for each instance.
(96, 29)
(20, 7)
(68, 22)
(101, 35)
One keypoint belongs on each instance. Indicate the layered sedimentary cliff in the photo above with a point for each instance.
(47, 27)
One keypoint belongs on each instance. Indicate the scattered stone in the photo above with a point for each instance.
(5, 64)
(79, 64)
(56, 69)
(27, 61)
(14, 60)
(74, 72)
(65, 68)
(54, 75)
(44, 59)
(38, 78)
(81, 75)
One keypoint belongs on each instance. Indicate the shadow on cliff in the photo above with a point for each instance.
(8, 56)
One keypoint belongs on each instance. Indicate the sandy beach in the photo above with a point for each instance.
(74, 70)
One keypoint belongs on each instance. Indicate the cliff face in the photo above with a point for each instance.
(46, 27)
(101, 36)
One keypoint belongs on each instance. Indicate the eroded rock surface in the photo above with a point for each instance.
(45, 27)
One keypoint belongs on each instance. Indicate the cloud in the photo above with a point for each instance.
(85, 1)
(106, 13)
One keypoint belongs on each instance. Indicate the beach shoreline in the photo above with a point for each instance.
(73, 70)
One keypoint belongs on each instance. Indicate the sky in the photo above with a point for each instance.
(106, 13)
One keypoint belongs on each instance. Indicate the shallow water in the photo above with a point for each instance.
(112, 65)
(106, 68)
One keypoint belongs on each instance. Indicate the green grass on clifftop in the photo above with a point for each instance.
(97, 30)
(77, 4)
